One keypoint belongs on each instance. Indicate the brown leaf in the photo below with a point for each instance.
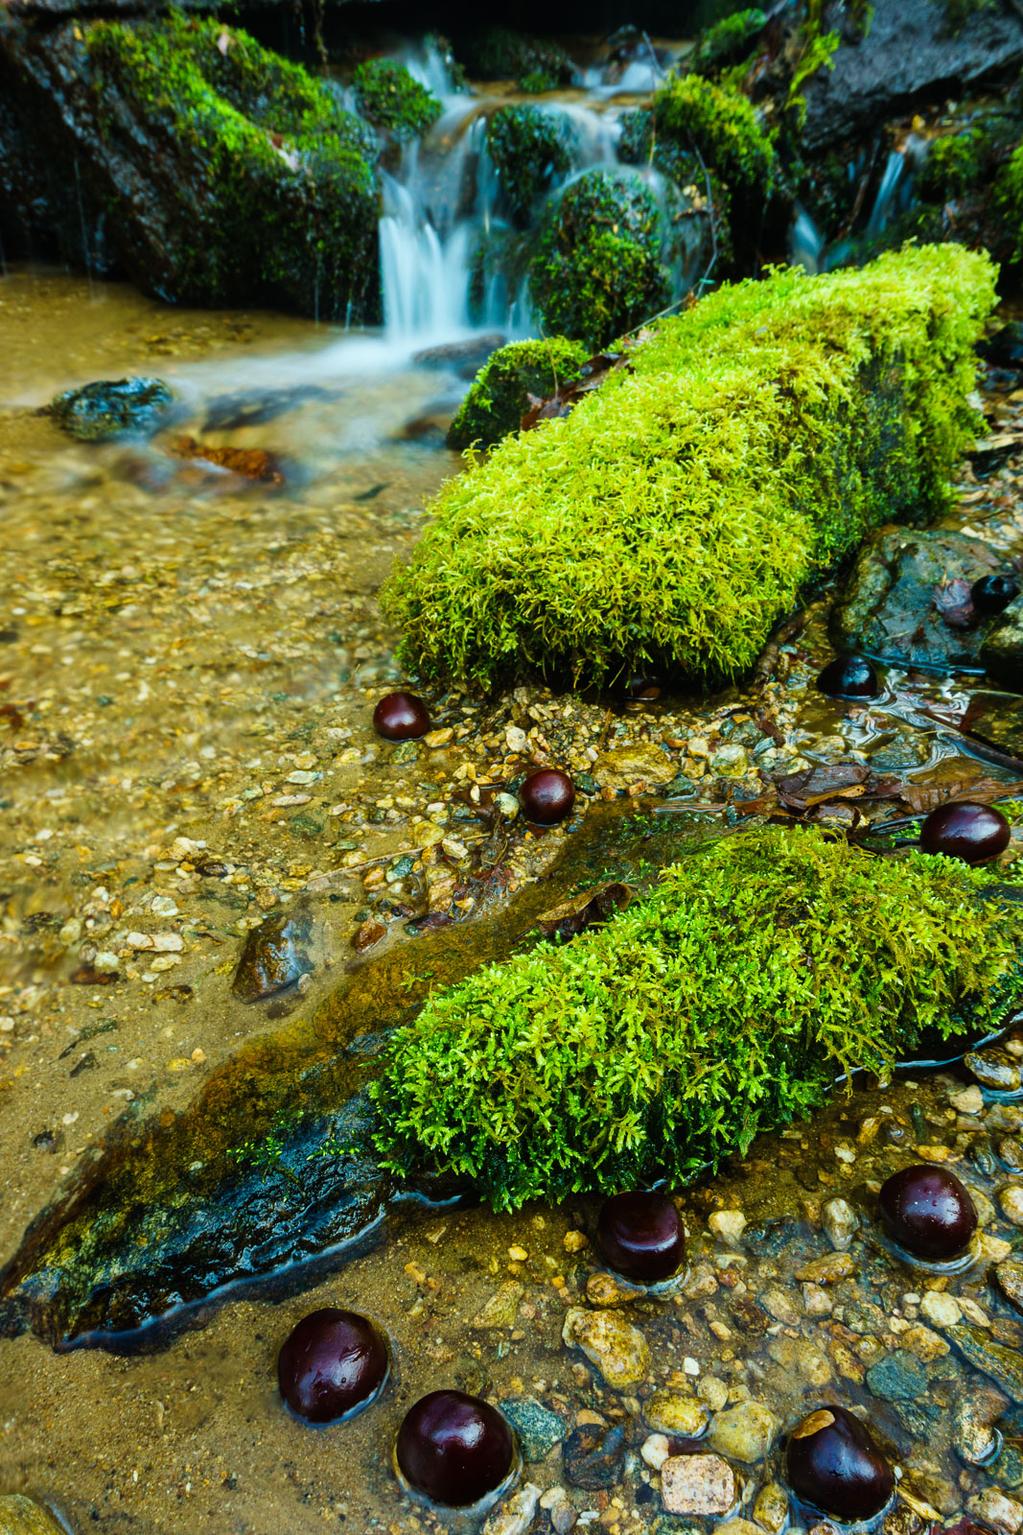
(954, 601)
(827, 781)
(85, 975)
(250, 463)
(585, 910)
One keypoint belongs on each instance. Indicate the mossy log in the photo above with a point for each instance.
(725, 1003)
(675, 515)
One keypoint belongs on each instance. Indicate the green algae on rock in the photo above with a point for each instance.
(597, 270)
(392, 98)
(214, 170)
(724, 1003)
(674, 516)
(727, 41)
(528, 147)
(499, 395)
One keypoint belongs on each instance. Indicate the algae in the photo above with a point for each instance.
(724, 1003)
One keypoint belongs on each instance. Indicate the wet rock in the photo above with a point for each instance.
(538, 1427)
(974, 1435)
(655, 1450)
(831, 1269)
(771, 1509)
(993, 1069)
(997, 1510)
(1002, 651)
(465, 358)
(274, 956)
(502, 1309)
(107, 409)
(1010, 1201)
(745, 1432)
(698, 1484)
(594, 1456)
(798, 1356)
(899, 1377)
(1003, 1365)
(897, 604)
(728, 1225)
(969, 1101)
(605, 1290)
(517, 1514)
(1010, 1281)
(840, 1222)
(940, 1309)
(618, 1350)
(21, 1516)
(908, 54)
(672, 1413)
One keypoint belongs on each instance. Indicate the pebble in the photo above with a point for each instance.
(672, 1413)
(698, 1484)
(771, 1510)
(655, 1450)
(712, 1391)
(604, 1290)
(940, 1309)
(969, 1101)
(516, 1515)
(997, 1510)
(594, 1456)
(1010, 1201)
(502, 1309)
(973, 1433)
(728, 1225)
(830, 1269)
(840, 1222)
(898, 1377)
(994, 1069)
(744, 1432)
(22, 1516)
(1003, 1365)
(1010, 1281)
(618, 1350)
(538, 1428)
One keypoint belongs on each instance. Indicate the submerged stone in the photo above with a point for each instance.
(21, 1516)
(275, 956)
(105, 410)
(538, 1428)
(594, 1456)
(1004, 1365)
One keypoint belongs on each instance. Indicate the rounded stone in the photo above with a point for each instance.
(928, 1212)
(640, 1235)
(992, 594)
(961, 829)
(547, 796)
(401, 717)
(21, 1516)
(454, 1449)
(331, 1365)
(833, 1465)
(849, 676)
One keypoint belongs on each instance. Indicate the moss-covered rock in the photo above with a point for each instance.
(391, 98)
(499, 395)
(209, 169)
(674, 516)
(597, 270)
(726, 1002)
(529, 149)
(722, 125)
(496, 53)
(107, 409)
(727, 41)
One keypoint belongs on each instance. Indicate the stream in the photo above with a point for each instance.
(189, 659)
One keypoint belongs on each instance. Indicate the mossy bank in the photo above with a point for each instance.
(726, 1002)
(677, 513)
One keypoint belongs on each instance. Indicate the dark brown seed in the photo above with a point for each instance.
(401, 717)
(454, 1448)
(849, 677)
(331, 1365)
(992, 594)
(926, 1210)
(961, 829)
(640, 1235)
(547, 796)
(834, 1465)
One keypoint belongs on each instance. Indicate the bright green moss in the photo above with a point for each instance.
(722, 126)
(270, 189)
(817, 50)
(529, 148)
(727, 41)
(597, 270)
(390, 97)
(674, 516)
(499, 395)
(724, 1003)
(698, 185)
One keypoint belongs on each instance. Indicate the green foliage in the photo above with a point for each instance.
(817, 51)
(720, 124)
(597, 270)
(1010, 196)
(953, 165)
(699, 186)
(673, 517)
(390, 97)
(727, 41)
(528, 148)
(537, 64)
(498, 397)
(726, 1002)
(281, 188)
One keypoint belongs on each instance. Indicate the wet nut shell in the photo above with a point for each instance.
(401, 717)
(849, 677)
(833, 1464)
(961, 829)
(926, 1210)
(547, 796)
(455, 1449)
(331, 1364)
(640, 1235)
(992, 594)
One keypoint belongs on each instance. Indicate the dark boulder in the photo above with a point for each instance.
(1002, 651)
(112, 408)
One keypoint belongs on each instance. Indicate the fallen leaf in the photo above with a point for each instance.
(587, 909)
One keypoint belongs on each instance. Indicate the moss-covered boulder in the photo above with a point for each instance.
(500, 393)
(207, 168)
(727, 42)
(497, 53)
(529, 149)
(726, 1002)
(393, 99)
(674, 516)
(597, 269)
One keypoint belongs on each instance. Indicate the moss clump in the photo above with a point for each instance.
(727, 41)
(597, 270)
(264, 185)
(536, 64)
(1010, 198)
(673, 517)
(499, 395)
(529, 149)
(953, 165)
(722, 126)
(724, 1003)
(390, 97)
